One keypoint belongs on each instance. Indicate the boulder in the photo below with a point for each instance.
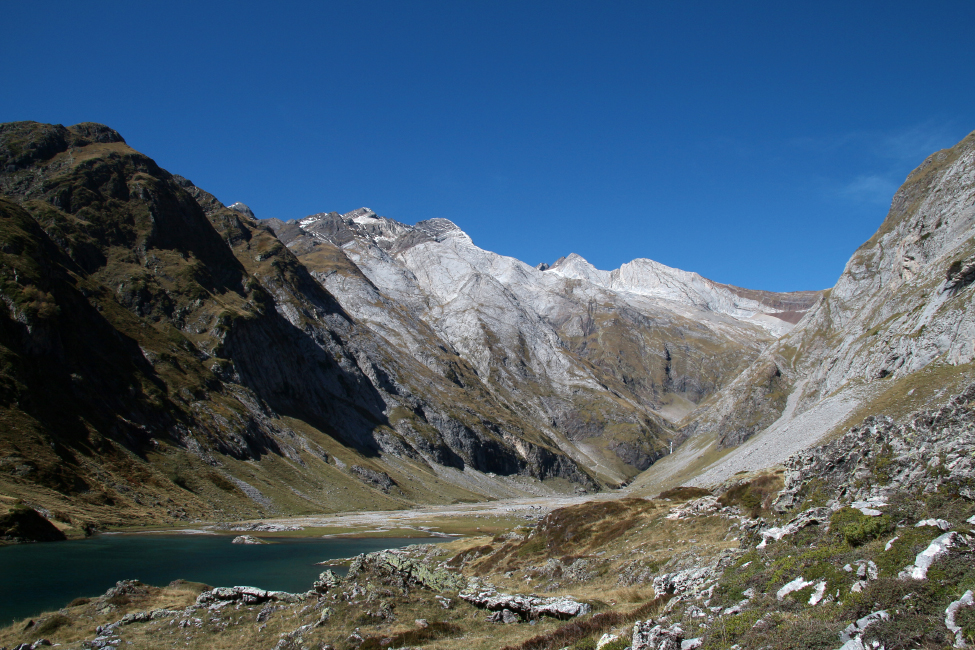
(246, 595)
(487, 597)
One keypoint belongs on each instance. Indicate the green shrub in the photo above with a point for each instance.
(857, 528)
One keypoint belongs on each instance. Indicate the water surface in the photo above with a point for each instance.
(41, 577)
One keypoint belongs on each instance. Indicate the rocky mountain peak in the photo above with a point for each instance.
(439, 229)
(362, 215)
(243, 209)
(574, 266)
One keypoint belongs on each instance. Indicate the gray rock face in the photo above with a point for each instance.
(380, 480)
(243, 209)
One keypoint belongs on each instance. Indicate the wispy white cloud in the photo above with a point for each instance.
(877, 162)
(916, 143)
(908, 145)
(869, 189)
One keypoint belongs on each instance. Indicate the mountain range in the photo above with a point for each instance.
(166, 357)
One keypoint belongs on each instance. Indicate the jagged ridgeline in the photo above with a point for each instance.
(164, 356)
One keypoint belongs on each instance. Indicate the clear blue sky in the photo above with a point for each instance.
(755, 143)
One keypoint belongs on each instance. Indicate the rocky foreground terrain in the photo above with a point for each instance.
(864, 542)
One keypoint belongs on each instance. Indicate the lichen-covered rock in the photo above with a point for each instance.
(398, 569)
(692, 580)
(809, 517)
(327, 580)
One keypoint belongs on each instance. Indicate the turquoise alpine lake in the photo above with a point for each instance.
(41, 577)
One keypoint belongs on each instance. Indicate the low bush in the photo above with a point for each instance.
(754, 496)
(51, 625)
(433, 631)
(684, 493)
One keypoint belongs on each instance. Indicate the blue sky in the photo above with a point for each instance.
(755, 143)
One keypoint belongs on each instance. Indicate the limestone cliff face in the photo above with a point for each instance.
(898, 327)
(596, 363)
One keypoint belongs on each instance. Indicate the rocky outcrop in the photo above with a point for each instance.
(246, 595)
(648, 635)
(399, 569)
(888, 453)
